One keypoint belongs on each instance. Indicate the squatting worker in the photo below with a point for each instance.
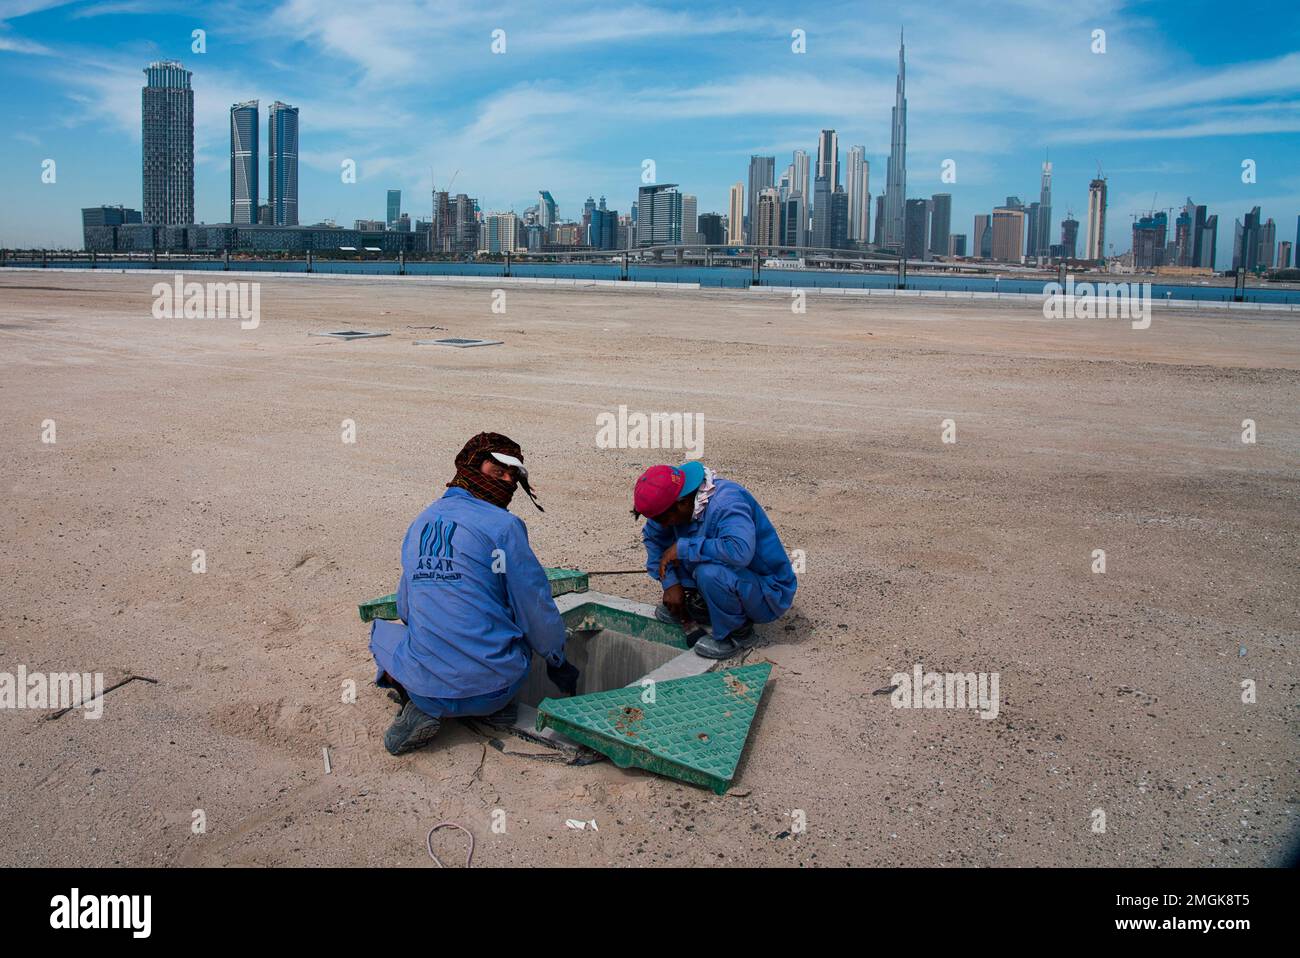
(716, 554)
(474, 604)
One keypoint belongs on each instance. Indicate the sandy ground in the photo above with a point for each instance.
(1119, 691)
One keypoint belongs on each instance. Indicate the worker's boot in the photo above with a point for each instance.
(729, 645)
(411, 729)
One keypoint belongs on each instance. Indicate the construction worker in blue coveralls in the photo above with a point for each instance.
(716, 554)
(474, 604)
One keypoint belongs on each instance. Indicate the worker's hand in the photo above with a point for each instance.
(668, 558)
(675, 600)
(565, 676)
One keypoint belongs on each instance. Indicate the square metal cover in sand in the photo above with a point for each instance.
(458, 343)
(694, 730)
(349, 334)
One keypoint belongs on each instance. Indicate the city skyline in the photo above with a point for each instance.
(845, 82)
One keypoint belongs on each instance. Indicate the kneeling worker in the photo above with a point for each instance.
(716, 554)
(474, 603)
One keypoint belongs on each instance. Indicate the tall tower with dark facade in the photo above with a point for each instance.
(894, 227)
(282, 163)
(167, 144)
(1043, 241)
(243, 162)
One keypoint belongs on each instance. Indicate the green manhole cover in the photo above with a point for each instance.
(694, 730)
(566, 580)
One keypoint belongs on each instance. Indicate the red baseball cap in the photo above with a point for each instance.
(657, 489)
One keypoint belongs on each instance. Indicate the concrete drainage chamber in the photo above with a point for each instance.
(606, 656)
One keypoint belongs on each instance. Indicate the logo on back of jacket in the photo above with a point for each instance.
(437, 555)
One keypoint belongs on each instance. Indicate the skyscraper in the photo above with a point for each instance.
(940, 223)
(1096, 246)
(444, 223)
(896, 177)
(767, 218)
(1031, 230)
(1008, 234)
(1149, 234)
(878, 231)
(982, 237)
(794, 221)
(839, 229)
(500, 233)
(167, 144)
(1070, 236)
(1184, 234)
(821, 213)
(1207, 242)
(1267, 244)
(659, 215)
(761, 172)
(394, 208)
(548, 214)
(736, 215)
(1245, 242)
(602, 231)
(243, 162)
(690, 211)
(1043, 241)
(282, 163)
(710, 228)
(858, 175)
(802, 180)
(917, 230)
(828, 157)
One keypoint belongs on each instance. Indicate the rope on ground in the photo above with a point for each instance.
(428, 842)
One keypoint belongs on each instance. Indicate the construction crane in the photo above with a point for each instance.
(449, 183)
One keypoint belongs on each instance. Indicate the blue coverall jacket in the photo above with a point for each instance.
(732, 554)
(474, 602)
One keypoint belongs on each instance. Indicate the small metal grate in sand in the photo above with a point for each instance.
(458, 343)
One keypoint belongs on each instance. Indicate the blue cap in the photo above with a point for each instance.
(694, 472)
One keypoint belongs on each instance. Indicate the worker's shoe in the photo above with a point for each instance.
(696, 608)
(727, 646)
(504, 718)
(411, 729)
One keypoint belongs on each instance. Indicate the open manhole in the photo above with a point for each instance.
(643, 699)
(458, 342)
(606, 659)
(349, 334)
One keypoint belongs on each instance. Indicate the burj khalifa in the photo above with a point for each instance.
(896, 177)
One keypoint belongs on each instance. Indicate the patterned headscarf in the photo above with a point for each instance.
(469, 478)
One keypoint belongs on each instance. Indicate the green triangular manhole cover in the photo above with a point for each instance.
(694, 730)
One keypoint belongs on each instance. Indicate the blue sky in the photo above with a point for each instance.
(586, 90)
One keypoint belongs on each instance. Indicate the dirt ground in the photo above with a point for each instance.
(1120, 692)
